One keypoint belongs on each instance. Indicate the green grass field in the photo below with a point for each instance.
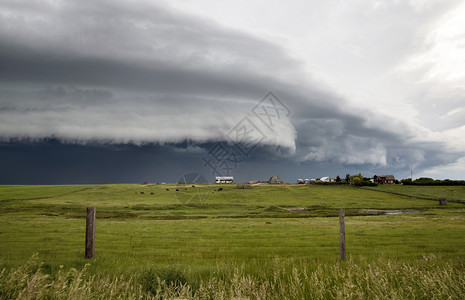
(453, 193)
(201, 229)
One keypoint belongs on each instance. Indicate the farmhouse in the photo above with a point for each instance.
(327, 179)
(224, 179)
(384, 179)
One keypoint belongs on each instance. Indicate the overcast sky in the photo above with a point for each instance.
(130, 91)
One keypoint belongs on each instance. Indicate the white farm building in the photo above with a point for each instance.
(327, 179)
(224, 179)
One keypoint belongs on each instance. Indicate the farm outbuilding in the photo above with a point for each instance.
(275, 180)
(224, 179)
(327, 179)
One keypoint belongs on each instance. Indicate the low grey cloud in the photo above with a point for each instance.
(115, 72)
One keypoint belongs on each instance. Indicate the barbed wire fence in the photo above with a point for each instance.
(321, 242)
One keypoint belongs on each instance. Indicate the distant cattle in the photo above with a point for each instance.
(141, 192)
(220, 189)
(193, 186)
(151, 193)
(177, 190)
(167, 189)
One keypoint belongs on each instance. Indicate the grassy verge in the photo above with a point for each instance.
(428, 278)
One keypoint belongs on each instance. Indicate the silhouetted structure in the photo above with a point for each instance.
(384, 179)
(275, 180)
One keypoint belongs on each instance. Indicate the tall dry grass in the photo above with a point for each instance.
(427, 278)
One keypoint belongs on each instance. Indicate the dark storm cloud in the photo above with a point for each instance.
(115, 72)
(133, 47)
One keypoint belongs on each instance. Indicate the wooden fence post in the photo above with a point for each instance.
(342, 233)
(90, 232)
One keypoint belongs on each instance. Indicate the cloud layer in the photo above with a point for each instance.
(115, 72)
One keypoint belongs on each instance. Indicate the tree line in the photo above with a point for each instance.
(431, 181)
(360, 180)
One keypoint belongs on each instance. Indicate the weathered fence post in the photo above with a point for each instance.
(342, 233)
(90, 232)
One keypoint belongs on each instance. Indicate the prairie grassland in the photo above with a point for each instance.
(239, 232)
(23, 192)
(453, 193)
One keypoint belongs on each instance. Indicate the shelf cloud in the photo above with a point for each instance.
(115, 73)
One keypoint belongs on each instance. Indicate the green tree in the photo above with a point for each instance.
(424, 180)
(356, 180)
(406, 181)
